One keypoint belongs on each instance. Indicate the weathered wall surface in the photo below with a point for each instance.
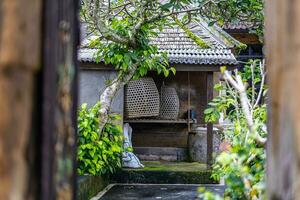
(92, 82)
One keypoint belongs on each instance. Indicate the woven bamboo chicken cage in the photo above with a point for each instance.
(169, 103)
(141, 99)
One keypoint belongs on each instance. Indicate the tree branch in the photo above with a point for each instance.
(109, 93)
(263, 75)
(239, 86)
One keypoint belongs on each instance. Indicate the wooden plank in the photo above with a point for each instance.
(210, 92)
(159, 139)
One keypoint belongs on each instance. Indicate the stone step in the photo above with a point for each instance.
(158, 172)
(161, 153)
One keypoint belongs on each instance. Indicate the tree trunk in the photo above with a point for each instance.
(106, 99)
(109, 93)
(283, 65)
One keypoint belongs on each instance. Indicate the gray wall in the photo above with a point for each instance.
(92, 82)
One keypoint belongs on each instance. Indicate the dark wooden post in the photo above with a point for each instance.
(59, 99)
(210, 91)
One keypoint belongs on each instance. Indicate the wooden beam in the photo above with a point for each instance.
(201, 68)
(179, 67)
(95, 66)
(210, 92)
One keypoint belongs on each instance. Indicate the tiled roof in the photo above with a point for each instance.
(183, 50)
(238, 26)
(181, 56)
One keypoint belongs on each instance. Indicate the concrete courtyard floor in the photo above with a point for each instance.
(156, 191)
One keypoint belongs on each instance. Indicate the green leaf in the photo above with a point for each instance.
(166, 6)
(173, 70)
(223, 68)
(166, 72)
(211, 23)
(208, 111)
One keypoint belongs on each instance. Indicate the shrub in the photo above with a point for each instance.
(242, 165)
(97, 153)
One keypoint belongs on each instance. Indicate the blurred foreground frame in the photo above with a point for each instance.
(38, 98)
(283, 66)
(38, 92)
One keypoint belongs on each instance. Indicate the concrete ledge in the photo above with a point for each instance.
(89, 186)
(166, 173)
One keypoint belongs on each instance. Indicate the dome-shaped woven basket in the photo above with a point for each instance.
(141, 99)
(169, 103)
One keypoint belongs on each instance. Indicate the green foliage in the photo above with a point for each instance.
(243, 168)
(135, 22)
(206, 195)
(243, 164)
(220, 104)
(235, 11)
(252, 76)
(123, 58)
(95, 155)
(125, 27)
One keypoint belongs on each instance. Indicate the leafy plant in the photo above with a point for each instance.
(249, 12)
(97, 155)
(242, 164)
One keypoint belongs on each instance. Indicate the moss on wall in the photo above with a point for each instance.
(166, 173)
